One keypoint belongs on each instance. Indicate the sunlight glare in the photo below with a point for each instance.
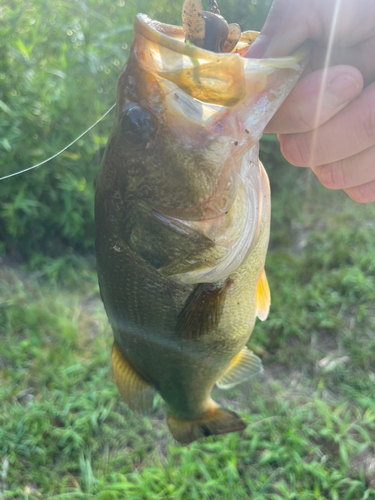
(324, 80)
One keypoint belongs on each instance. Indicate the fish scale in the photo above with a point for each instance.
(182, 213)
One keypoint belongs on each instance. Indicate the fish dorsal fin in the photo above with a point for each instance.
(135, 392)
(263, 297)
(243, 366)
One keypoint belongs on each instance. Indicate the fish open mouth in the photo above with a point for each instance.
(210, 109)
(208, 94)
(216, 78)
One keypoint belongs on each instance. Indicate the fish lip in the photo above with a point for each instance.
(172, 37)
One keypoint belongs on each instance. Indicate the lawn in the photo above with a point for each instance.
(311, 417)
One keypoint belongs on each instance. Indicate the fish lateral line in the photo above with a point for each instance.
(61, 151)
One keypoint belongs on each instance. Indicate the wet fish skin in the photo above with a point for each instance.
(176, 193)
(147, 313)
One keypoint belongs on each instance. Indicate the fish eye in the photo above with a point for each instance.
(137, 125)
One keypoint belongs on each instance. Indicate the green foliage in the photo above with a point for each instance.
(59, 64)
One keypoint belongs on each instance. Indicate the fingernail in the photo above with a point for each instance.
(343, 88)
(258, 48)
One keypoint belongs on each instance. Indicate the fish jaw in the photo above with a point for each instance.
(216, 82)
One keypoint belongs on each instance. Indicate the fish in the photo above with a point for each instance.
(182, 212)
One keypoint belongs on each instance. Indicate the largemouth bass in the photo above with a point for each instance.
(183, 215)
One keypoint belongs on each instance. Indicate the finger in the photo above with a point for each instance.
(350, 172)
(349, 132)
(362, 194)
(360, 55)
(316, 99)
(282, 33)
(291, 22)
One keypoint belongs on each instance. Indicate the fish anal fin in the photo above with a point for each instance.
(243, 366)
(135, 392)
(263, 297)
(216, 421)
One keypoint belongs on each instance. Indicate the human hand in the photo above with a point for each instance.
(328, 121)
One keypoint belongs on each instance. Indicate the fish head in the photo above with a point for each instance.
(183, 151)
(186, 117)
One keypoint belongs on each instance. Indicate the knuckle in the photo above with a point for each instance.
(332, 176)
(367, 127)
(355, 195)
(362, 194)
(300, 117)
(296, 149)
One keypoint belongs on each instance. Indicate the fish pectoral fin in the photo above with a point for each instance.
(135, 392)
(263, 297)
(203, 310)
(214, 422)
(243, 366)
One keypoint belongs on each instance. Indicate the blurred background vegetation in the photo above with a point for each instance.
(64, 433)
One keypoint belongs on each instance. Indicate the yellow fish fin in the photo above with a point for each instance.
(216, 421)
(135, 392)
(243, 366)
(263, 297)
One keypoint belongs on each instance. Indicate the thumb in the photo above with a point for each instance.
(316, 99)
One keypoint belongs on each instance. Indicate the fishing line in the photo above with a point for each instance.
(64, 149)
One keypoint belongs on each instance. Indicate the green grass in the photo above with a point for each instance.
(65, 433)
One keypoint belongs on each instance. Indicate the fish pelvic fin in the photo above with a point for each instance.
(135, 392)
(216, 421)
(243, 366)
(263, 297)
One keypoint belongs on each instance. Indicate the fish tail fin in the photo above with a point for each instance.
(216, 421)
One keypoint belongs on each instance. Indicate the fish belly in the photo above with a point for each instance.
(175, 338)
